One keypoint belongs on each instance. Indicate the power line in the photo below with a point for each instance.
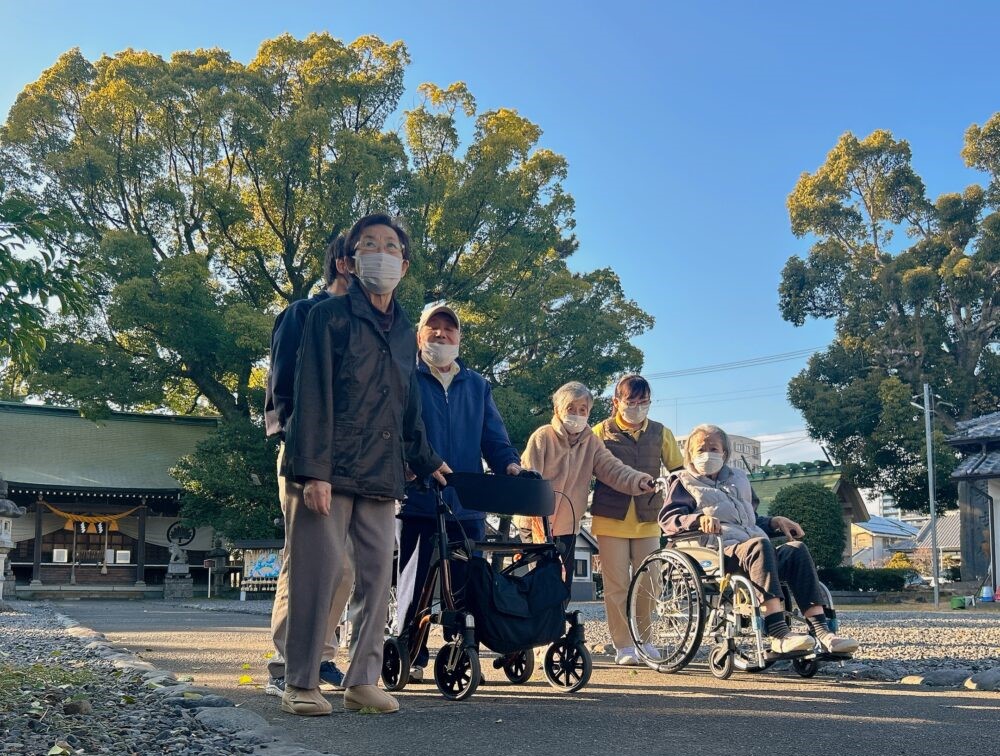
(715, 394)
(737, 365)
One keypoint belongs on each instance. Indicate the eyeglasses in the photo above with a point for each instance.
(634, 405)
(370, 245)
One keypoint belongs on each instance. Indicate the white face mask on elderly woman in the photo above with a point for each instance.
(708, 463)
(574, 423)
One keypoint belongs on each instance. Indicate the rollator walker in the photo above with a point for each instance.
(511, 604)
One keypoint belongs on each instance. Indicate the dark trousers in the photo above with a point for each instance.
(416, 547)
(768, 567)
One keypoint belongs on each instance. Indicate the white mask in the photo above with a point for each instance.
(439, 355)
(708, 463)
(634, 415)
(574, 423)
(379, 272)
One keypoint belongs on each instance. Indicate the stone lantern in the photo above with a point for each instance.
(218, 556)
(8, 512)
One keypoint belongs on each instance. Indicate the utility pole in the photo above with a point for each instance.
(935, 571)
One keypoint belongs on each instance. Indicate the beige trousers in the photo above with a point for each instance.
(316, 559)
(620, 557)
(279, 612)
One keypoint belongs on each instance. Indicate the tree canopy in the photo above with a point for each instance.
(914, 288)
(198, 193)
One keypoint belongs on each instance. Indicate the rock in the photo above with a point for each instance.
(195, 701)
(79, 706)
(986, 680)
(939, 678)
(230, 719)
(134, 664)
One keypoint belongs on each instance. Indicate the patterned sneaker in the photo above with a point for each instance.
(275, 686)
(416, 674)
(331, 676)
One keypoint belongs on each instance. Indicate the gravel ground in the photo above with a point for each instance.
(894, 642)
(64, 690)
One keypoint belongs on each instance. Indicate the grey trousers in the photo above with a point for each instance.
(279, 612)
(767, 567)
(315, 571)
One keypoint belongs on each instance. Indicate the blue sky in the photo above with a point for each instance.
(685, 127)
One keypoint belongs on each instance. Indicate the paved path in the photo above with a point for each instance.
(622, 711)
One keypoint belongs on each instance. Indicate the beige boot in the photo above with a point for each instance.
(305, 702)
(359, 697)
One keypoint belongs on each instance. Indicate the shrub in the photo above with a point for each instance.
(818, 511)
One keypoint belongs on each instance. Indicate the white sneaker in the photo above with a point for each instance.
(793, 643)
(416, 674)
(651, 651)
(627, 657)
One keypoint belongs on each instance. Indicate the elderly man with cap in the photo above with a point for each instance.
(464, 427)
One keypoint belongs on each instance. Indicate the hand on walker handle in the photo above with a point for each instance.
(316, 496)
(709, 524)
(439, 474)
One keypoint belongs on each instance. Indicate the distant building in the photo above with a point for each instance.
(978, 477)
(875, 541)
(745, 452)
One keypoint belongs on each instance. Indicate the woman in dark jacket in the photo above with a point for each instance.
(356, 420)
(710, 496)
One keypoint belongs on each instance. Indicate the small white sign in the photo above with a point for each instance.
(123, 557)
(60, 555)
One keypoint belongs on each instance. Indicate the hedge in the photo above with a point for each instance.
(864, 578)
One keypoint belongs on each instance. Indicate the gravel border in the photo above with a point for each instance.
(69, 690)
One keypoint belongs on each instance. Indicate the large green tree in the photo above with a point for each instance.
(32, 275)
(914, 288)
(200, 192)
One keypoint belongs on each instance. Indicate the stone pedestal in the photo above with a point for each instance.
(178, 587)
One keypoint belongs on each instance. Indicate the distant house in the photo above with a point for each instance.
(875, 541)
(978, 476)
(102, 507)
(768, 480)
(949, 538)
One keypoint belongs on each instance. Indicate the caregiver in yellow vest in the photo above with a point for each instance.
(625, 526)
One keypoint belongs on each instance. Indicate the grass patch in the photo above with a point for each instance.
(41, 677)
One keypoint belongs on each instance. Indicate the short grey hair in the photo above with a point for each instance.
(570, 392)
(700, 432)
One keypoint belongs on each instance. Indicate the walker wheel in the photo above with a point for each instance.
(395, 664)
(805, 667)
(720, 662)
(519, 665)
(568, 665)
(456, 671)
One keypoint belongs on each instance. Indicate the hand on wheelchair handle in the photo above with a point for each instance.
(530, 474)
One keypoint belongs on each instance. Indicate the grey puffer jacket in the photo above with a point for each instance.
(728, 498)
(357, 416)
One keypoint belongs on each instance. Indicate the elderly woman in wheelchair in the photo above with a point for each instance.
(720, 575)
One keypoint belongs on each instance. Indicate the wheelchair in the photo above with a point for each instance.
(510, 608)
(681, 594)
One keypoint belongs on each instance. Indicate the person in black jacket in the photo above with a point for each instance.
(356, 424)
(278, 403)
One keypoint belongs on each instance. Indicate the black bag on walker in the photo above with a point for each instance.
(519, 611)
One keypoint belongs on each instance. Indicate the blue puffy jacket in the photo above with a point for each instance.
(463, 427)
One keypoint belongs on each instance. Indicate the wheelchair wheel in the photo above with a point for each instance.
(518, 666)
(395, 663)
(567, 665)
(666, 610)
(456, 671)
(805, 667)
(721, 662)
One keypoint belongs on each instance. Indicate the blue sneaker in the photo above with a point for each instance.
(329, 674)
(275, 687)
